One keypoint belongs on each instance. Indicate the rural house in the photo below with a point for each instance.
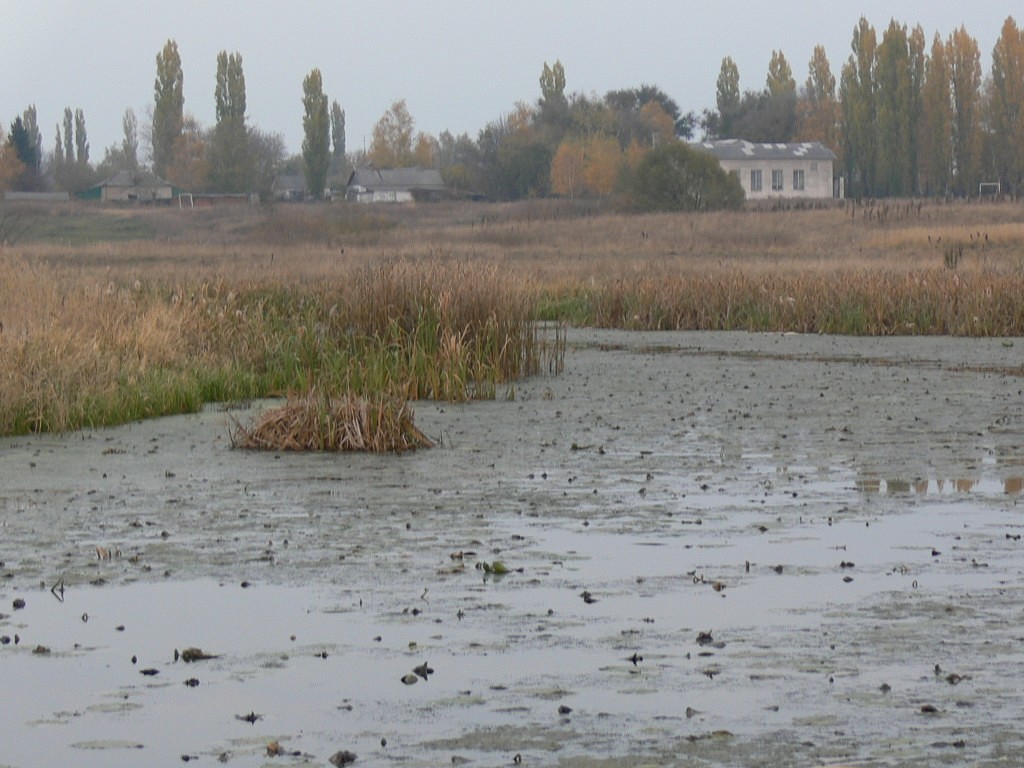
(290, 187)
(394, 185)
(801, 170)
(131, 187)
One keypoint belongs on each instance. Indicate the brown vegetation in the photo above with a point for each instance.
(318, 422)
(441, 300)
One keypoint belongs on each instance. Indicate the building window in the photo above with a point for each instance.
(776, 181)
(798, 178)
(755, 181)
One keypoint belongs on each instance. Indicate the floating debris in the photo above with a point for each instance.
(344, 757)
(190, 655)
(410, 678)
(251, 718)
(423, 670)
(497, 568)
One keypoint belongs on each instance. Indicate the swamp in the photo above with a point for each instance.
(653, 536)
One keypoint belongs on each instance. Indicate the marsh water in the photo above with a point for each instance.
(714, 549)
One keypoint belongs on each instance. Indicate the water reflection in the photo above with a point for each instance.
(895, 486)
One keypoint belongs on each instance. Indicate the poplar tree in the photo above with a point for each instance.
(338, 132)
(81, 138)
(965, 78)
(58, 150)
(552, 90)
(1006, 106)
(857, 90)
(69, 134)
(230, 168)
(779, 107)
(892, 73)
(316, 126)
(780, 80)
(168, 108)
(817, 109)
(936, 122)
(130, 142)
(727, 98)
(35, 137)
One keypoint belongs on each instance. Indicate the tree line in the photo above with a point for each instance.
(903, 117)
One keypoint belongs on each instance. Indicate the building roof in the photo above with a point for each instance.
(139, 178)
(740, 149)
(286, 181)
(386, 179)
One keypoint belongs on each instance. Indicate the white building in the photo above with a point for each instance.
(395, 185)
(765, 171)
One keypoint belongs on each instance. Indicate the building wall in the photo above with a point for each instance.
(817, 175)
(135, 194)
(361, 195)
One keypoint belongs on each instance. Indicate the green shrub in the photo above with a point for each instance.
(674, 177)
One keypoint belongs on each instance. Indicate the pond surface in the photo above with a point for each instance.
(722, 549)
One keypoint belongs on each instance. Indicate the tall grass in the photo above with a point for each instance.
(854, 302)
(75, 352)
(446, 301)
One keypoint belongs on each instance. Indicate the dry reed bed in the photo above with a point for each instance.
(859, 302)
(443, 302)
(76, 351)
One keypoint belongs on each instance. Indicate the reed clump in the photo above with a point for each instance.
(320, 422)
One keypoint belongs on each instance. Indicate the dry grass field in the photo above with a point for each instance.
(108, 315)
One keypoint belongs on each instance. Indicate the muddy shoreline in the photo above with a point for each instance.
(799, 550)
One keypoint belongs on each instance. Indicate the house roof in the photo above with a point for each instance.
(740, 149)
(286, 181)
(397, 179)
(134, 179)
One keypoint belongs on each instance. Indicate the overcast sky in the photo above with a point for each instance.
(458, 63)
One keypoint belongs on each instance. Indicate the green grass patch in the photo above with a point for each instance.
(66, 228)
